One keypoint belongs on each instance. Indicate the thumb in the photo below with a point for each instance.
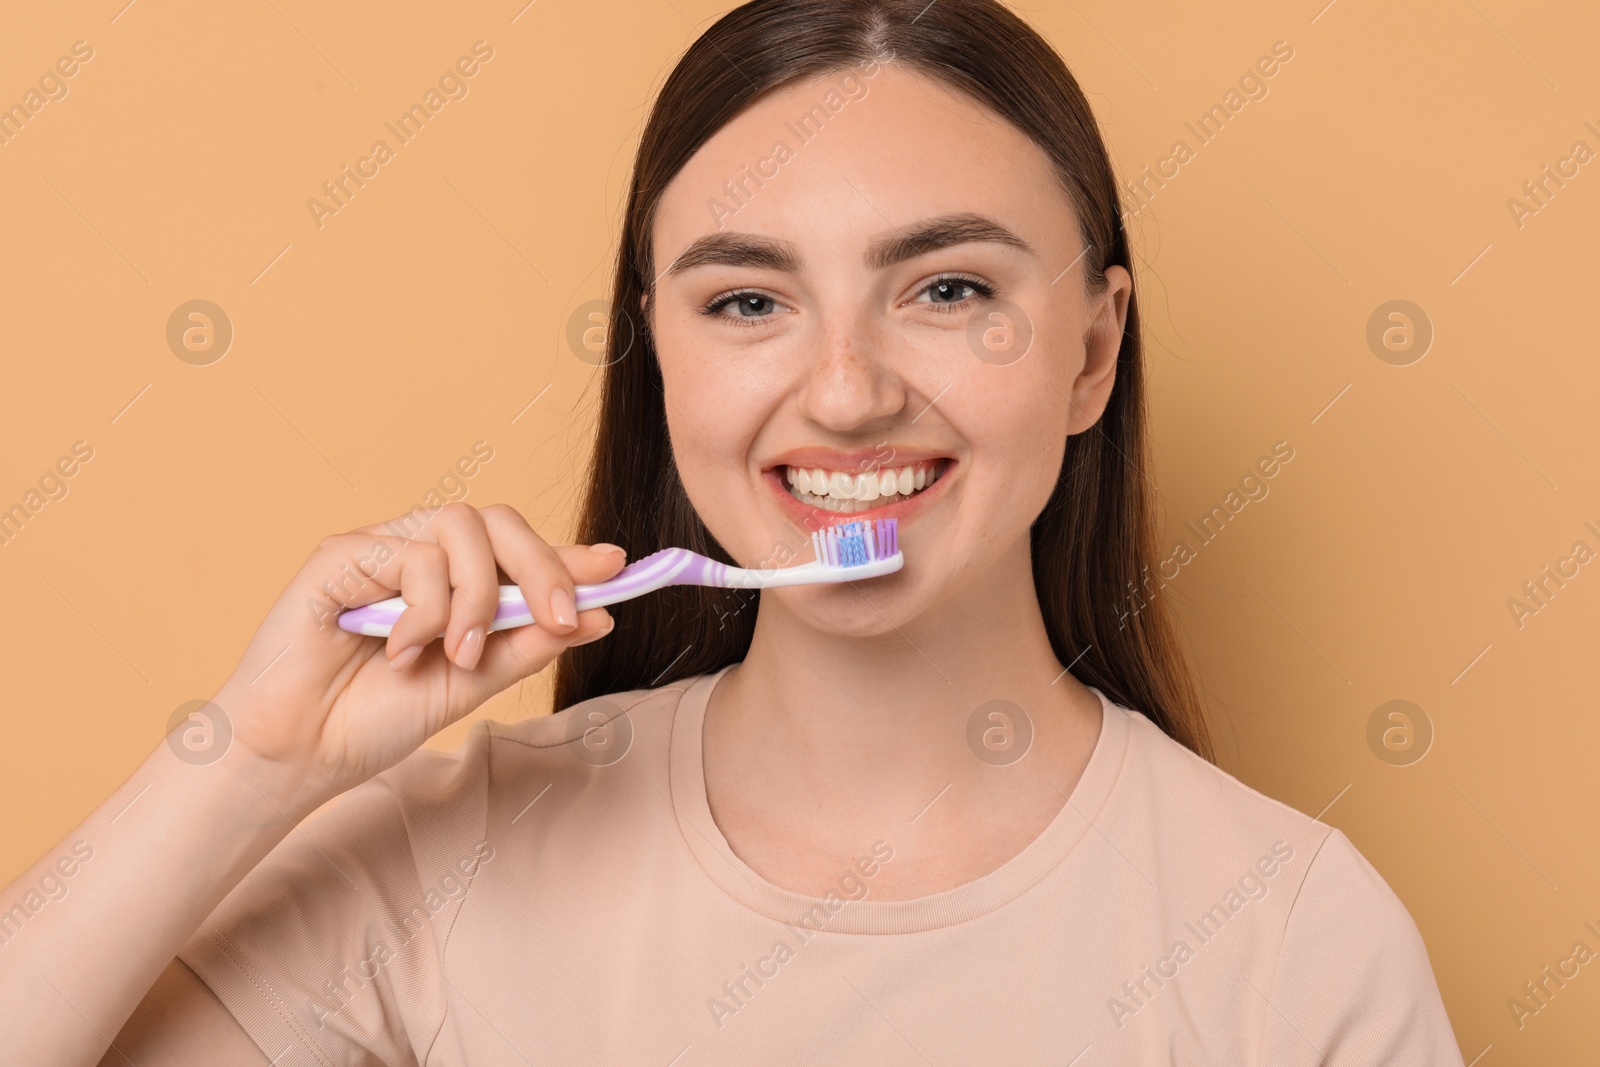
(591, 564)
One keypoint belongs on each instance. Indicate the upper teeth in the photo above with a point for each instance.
(836, 489)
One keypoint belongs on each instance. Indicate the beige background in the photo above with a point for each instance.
(372, 352)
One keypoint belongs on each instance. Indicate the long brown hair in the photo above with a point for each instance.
(1094, 543)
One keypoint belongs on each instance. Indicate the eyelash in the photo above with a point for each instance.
(982, 288)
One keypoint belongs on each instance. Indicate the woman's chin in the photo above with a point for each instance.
(871, 607)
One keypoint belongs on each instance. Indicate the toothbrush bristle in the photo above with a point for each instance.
(858, 542)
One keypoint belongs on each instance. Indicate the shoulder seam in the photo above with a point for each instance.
(444, 943)
(411, 847)
(1283, 936)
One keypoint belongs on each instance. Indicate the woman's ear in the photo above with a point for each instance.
(1102, 344)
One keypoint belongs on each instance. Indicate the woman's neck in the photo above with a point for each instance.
(818, 744)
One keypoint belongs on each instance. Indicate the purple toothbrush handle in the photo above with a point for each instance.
(670, 566)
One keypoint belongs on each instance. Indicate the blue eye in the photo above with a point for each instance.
(753, 307)
(948, 288)
(953, 293)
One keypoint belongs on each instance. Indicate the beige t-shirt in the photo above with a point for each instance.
(556, 892)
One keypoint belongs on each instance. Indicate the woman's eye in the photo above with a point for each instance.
(749, 308)
(947, 294)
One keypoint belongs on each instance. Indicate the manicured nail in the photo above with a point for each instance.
(604, 547)
(404, 658)
(470, 649)
(563, 609)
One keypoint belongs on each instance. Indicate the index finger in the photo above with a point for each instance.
(538, 568)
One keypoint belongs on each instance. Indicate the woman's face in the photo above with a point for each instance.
(899, 303)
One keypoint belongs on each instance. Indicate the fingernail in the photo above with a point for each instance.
(605, 546)
(405, 656)
(562, 607)
(610, 625)
(470, 649)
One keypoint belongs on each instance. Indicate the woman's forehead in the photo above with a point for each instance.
(905, 148)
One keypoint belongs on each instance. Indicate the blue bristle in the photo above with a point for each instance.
(854, 544)
(852, 549)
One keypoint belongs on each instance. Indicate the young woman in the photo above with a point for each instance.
(873, 264)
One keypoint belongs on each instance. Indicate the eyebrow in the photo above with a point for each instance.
(751, 250)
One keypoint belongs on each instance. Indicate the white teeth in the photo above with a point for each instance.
(845, 493)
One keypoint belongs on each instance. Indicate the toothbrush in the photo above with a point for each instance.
(863, 548)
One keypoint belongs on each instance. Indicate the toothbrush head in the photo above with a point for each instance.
(857, 543)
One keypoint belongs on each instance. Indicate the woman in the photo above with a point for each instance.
(873, 264)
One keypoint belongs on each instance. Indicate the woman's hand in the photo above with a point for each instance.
(313, 711)
(323, 709)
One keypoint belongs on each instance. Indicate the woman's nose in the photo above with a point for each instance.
(852, 383)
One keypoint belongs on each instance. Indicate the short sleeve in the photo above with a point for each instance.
(329, 952)
(1353, 984)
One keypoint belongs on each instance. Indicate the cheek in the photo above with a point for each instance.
(693, 389)
(1046, 442)
(711, 424)
(1016, 414)
(1033, 463)
(717, 397)
(1016, 426)
(693, 452)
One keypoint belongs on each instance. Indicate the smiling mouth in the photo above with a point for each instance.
(846, 493)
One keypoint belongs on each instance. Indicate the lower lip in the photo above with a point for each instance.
(814, 518)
